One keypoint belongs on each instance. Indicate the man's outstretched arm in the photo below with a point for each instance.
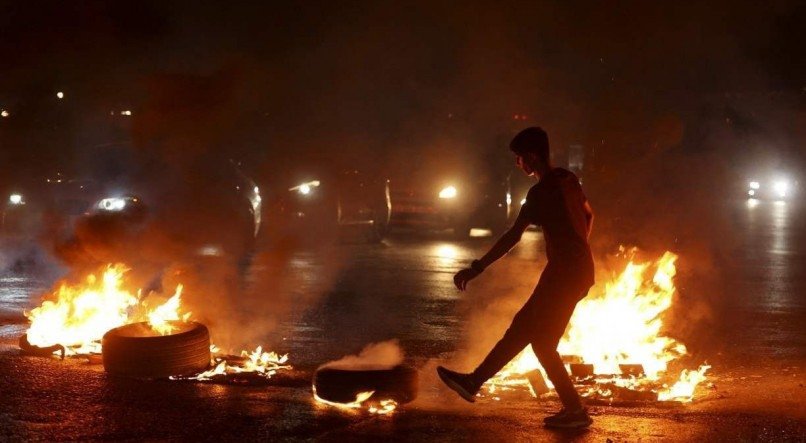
(504, 244)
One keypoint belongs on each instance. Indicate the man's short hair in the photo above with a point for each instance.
(531, 140)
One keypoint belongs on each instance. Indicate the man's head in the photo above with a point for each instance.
(531, 147)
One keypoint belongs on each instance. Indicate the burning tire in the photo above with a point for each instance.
(136, 351)
(399, 383)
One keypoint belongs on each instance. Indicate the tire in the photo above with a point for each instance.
(131, 351)
(399, 383)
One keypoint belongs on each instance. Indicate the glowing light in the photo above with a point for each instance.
(509, 198)
(752, 203)
(305, 188)
(751, 192)
(60, 95)
(479, 232)
(112, 204)
(448, 192)
(523, 202)
(781, 188)
(15, 199)
(446, 251)
(755, 185)
(4, 113)
(126, 112)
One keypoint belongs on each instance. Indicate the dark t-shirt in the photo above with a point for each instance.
(557, 204)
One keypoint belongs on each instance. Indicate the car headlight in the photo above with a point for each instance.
(112, 204)
(448, 192)
(781, 188)
(16, 199)
(305, 188)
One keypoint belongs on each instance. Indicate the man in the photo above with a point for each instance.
(558, 205)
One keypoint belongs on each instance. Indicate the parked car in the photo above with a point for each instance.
(321, 202)
(441, 200)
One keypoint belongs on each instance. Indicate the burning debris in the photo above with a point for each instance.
(614, 346)
(100, 316)
(246, 368)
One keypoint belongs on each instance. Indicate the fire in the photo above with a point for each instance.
(78, 316)
(622, 326)
(382, 407)
(260, 362)
(683, 389)
(160, 318)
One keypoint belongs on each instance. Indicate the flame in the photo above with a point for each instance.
(360, 398)
(382, 407)
(266, 364)
(160, 318)
(620, 326)
(683, 389)
(79, 315)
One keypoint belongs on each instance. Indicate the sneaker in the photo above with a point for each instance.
(568, 419)
(463, 384)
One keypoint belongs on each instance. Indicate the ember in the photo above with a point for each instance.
(258, 362)
(618, 336)
(363, 400)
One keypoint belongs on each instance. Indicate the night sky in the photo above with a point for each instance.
(383, 76)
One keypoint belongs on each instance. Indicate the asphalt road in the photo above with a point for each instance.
(320, 304)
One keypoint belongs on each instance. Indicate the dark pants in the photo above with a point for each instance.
(541, 322)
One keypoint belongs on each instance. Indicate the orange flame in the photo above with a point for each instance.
(382, 407)
(79, 315)
(266, 364)
(620, 326)
(161, 318)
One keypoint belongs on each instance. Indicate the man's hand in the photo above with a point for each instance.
(462, 277)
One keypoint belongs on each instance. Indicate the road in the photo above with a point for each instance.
(320, 304)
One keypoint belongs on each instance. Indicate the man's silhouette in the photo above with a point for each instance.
(558, 205)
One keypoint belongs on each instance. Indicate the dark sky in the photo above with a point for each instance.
(390, 72)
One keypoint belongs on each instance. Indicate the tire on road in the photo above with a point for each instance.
(399, 383)
(135, 351)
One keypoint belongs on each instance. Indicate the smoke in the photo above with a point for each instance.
(672, 104)
(383, 355)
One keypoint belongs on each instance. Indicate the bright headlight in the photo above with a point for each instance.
(15, 199)
(781, 188)
(112, 204)
(448, 192)
(755, 185)
(305, 188)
